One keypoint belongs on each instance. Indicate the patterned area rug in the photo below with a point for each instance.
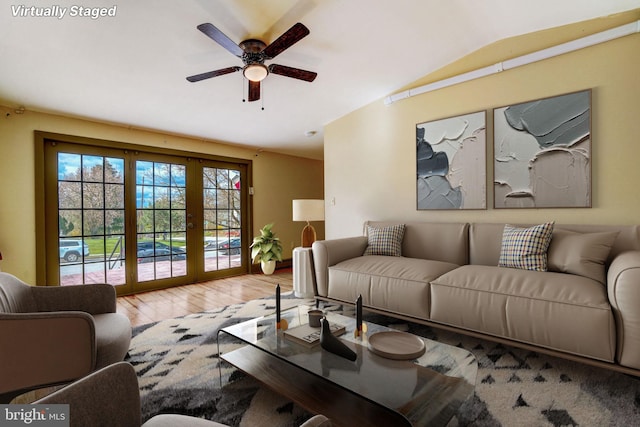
(177, 365)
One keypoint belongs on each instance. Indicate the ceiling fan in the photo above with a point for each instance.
(253, 54)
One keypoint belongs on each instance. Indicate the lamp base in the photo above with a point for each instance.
(308, 236)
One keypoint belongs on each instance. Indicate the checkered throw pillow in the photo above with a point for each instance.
(525, 248)
(385, 240)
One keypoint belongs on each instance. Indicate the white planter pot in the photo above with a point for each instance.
(268, 267)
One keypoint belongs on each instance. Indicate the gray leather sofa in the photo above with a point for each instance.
(582, 309)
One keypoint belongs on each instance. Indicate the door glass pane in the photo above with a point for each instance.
(90, 237)
(160, 220)
(91, 207)
(222, 234)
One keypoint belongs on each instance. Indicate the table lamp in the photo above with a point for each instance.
(308, 210)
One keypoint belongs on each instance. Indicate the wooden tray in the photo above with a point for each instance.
(396, 345)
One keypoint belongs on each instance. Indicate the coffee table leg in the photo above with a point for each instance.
(219, 357)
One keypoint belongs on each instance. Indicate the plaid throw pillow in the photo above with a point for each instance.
(525, 248)
(385, 240)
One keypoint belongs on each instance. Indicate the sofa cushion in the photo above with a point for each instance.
(438, 241)
(525, 248)
(385, 240)
(555, 310)
(485, 240)
(583, 254)
(396, 284)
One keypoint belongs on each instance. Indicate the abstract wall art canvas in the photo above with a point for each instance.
(542, 153)
(451, 163)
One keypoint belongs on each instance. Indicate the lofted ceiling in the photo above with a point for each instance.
(130, 69)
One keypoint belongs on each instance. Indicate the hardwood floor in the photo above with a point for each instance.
(168, 303)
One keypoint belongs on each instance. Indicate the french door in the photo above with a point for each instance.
(140, 220)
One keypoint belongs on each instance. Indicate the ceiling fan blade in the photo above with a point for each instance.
(286, 40)
(215, 73)
(295, 73)
(219, 37)
(254, 91)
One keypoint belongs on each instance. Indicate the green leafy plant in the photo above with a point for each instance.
(266, 246)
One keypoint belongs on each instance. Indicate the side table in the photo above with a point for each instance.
(302, 273)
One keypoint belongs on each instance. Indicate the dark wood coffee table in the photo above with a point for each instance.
(372, 391)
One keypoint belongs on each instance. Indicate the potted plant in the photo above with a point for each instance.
(267, 249)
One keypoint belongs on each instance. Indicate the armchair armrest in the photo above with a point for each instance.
(40, 349)
(331, 252)
(317, 421)
(623, 287)
(110, 392)
(93, 299)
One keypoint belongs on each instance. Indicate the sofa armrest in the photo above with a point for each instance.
(40, 349)
(331, 252)
(623, 287)
(93, 299)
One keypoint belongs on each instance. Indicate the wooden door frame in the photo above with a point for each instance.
(43, 273)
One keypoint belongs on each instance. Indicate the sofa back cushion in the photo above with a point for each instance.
(485, 240)
(583, 254)
(447, 242)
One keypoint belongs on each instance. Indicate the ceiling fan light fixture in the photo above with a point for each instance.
(255, 72)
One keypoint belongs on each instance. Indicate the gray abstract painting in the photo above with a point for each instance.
(451, 163)
(542, 153)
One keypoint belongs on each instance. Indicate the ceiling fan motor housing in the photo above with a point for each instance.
(253, 51)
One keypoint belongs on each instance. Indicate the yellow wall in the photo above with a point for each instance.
(277, 179)
(370, 154)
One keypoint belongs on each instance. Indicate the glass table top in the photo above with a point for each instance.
(424, 390)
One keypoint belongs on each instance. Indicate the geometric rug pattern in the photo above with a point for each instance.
(179, 372)
(517, 387)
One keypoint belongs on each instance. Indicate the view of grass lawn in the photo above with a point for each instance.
(96, 245)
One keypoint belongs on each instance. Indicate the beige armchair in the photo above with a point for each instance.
(110, 397)
(51, 335)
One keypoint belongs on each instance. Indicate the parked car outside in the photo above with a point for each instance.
(162, 252)
(71, 250)
(231, 246)
(210, 243)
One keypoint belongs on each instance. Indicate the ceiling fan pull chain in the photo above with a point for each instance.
(262, 95)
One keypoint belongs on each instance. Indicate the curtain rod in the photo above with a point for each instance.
(601, 37)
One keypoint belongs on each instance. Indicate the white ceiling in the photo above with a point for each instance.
(130, 69)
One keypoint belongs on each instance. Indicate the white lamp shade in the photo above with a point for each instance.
(308, 210)
(255, 72)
